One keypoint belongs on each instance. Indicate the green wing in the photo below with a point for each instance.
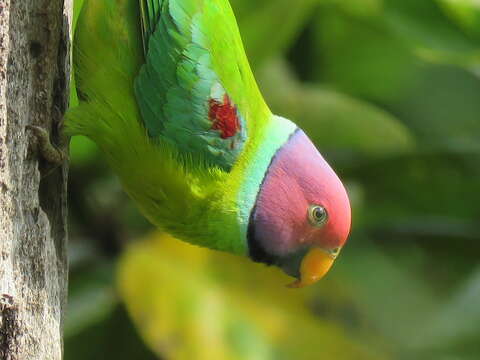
(196, 89)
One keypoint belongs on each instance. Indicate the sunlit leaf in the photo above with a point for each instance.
(190, 302)
(82, 150)
(113, 338)
(77, 6)
(443, 109)
(466, 13)
(429, 185)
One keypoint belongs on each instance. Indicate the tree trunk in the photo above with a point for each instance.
(34, 80)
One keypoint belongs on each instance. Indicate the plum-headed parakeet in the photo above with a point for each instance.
(168, 95)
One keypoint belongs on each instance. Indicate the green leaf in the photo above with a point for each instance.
(77, 7)
(390, 294)
(269, 27)
(361, 55)
(465, 13)
(82, 151)
(458, 321)
(91, 300)
(430, 34)
(335, 122)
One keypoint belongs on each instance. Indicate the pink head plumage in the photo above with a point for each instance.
(302, 204)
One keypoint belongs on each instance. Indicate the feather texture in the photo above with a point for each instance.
(178, 89)
(144, 73)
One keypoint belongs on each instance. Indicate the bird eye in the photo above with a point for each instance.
(317, 215)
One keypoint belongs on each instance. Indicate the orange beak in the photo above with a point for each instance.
(314, 266)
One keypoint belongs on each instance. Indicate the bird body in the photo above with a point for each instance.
(168, 95)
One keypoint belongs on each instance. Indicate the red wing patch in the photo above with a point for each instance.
(224, 117)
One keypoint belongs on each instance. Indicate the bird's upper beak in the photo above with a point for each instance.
(314, 266)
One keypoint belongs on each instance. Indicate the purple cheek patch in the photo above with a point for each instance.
(297, 178)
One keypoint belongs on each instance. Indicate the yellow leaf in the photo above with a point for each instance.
(192, 303)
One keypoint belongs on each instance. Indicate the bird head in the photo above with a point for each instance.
(301, 218)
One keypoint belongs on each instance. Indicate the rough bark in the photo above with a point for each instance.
(34, 73)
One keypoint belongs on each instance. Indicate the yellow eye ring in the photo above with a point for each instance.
(317, 215)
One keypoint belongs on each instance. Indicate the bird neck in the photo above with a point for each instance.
(277, 133)
(228, 212)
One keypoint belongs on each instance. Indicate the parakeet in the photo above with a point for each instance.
(167, 93)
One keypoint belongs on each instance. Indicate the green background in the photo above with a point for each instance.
(389, 90)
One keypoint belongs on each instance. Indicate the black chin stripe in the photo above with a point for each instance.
(255, 250)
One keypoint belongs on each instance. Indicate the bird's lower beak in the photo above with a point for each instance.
(315, 265)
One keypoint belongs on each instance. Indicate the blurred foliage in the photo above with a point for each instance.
(389, 90)
(336, 122)
(284, 19)
(465, 13)
(220, 306)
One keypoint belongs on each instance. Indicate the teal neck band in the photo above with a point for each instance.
(279, 131)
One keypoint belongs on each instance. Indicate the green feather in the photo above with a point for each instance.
(174, 86)
(144, 71)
